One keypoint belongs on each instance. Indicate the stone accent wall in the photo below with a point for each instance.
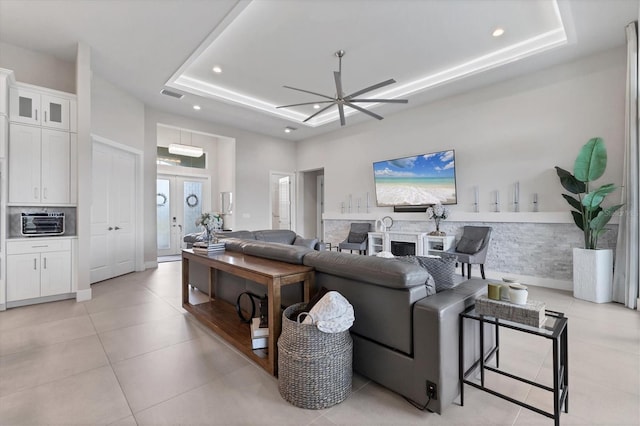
(534, 249)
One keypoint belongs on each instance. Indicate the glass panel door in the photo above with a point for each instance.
(163, 202)
(186, 199)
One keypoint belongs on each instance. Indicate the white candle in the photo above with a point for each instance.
(516, 193)
(535, 197)
(477, 195)
(497, 197)
(367, 200)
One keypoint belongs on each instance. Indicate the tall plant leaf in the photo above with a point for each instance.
(578, 219)
(569, 182)
(600, 221)
(591, 162)
(592, 200)
(573, 202)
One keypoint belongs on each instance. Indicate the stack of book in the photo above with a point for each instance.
(207, 248)
(259, 336)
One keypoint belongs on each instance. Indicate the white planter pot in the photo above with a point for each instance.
(593, 275)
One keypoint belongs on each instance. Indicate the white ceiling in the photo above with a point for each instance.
(432, 48)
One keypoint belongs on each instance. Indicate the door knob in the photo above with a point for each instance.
(117, 227)
(110, 229)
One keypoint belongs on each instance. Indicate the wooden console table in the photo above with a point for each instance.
(221, 316)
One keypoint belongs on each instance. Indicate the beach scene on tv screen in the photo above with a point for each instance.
(419, 180)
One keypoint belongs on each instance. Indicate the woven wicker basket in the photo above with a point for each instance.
(314, 368)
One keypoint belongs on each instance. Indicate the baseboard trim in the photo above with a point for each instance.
(151, 264)
(3, 307)
(83, 295)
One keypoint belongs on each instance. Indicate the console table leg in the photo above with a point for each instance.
(461, 360)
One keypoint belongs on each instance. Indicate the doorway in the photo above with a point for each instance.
(282, 204)
(180, 201)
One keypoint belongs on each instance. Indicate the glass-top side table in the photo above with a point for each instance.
(554, 329)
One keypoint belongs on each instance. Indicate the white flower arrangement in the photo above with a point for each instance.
(437, 212)
(210, 221)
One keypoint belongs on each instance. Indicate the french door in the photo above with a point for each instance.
(180, 202)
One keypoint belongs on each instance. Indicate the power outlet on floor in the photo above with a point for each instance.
(432, 390)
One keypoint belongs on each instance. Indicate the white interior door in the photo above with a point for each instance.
(113, 247)
(180, 201)
(281, 200)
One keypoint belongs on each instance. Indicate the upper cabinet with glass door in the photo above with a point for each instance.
(41, 109)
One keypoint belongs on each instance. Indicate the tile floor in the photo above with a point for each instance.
(131, 356)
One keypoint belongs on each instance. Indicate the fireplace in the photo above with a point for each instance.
(402, 248)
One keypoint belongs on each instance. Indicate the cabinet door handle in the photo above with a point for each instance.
(110, 228)
(45, 263)
(36, 111)
(117, 227)
(45, 116)
(44, 193)
(34, 264)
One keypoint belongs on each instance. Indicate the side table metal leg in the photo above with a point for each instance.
(461, 359)
(564, 346)
(481, 350)
(497, 344)
(556, 383)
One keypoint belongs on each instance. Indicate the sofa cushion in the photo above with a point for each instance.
(245, 235)
(234, 244)
(430, 282)
(282, 236)
(374, 270)
(441, 269)
(276, 251)
(305, 242)
(469, 246)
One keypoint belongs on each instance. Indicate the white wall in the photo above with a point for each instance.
(35, 68)
(115, 114)
(517, 130)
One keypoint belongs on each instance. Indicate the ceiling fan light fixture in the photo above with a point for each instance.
(186, 150)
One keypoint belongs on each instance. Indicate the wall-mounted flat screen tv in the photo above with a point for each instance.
(416, 181)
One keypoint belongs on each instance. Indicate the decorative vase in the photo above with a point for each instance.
(593, 275)
(437, 232)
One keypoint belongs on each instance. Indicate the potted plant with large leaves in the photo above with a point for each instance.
(592, 267)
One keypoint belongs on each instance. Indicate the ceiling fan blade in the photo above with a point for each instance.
(370, 88)
(322, 110)
(307, 91)
(338, 78)
(365, 111)
(389, 101)
(304, 103)
(341, 111)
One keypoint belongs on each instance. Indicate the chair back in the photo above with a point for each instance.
(477, 233)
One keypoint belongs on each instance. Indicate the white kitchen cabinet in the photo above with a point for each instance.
(35, 108)
(39, 165)
(38, 268)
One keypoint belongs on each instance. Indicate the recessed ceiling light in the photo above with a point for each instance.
(289, 129)
(497, 32)
(217, 69)
(316, 106)
(196, 107)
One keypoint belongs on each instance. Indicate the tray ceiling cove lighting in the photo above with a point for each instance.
(186, 150)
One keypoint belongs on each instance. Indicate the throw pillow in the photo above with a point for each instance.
(469, 246)
(430, 282)
(442, 269)
(356, 237)
(306, 242)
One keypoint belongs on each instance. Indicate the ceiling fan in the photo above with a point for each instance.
(340, 99)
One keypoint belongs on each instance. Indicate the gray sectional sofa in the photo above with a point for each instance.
(402, 337)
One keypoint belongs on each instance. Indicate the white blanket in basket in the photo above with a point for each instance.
(332, 314)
